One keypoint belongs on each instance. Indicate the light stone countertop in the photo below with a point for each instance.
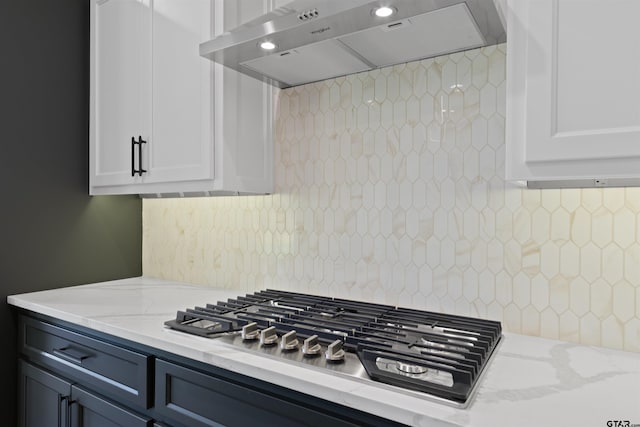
(530, 381)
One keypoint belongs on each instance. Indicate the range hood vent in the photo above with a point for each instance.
(321, 39)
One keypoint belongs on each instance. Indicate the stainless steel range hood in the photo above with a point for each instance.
(321, 39)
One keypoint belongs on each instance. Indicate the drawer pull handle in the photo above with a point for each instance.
(139, 143)
(70, 355)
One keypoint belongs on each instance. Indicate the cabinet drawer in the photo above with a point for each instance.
(113, 371)
(196, 399)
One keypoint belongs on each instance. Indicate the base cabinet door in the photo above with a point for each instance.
(194, 399)
(43, 399)
(91, 410)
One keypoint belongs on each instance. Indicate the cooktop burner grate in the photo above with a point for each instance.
(439, 354)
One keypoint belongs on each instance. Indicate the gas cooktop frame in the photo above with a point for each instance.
(435, 356)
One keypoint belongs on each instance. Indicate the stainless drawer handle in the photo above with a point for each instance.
(70, 355)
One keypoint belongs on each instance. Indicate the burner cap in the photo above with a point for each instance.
(410, 369)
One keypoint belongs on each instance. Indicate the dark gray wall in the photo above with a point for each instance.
(52, 233)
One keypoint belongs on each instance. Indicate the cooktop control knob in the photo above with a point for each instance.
(250, 331)
(289, 341)
(268, 336)
(334, 352)
(310, 346)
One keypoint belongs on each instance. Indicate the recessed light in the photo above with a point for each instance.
(268, 45)
(384, 11)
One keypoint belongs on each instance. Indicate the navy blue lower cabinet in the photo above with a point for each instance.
(73, 376)
(195, 399)
(43, 398)
(91, 410)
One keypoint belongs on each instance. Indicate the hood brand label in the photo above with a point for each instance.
(320, 30)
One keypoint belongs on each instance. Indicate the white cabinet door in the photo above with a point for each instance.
(121, 82)
(243, 110)
(181, 146)
(573, 89)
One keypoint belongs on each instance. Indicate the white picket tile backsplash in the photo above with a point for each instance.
(389, 188)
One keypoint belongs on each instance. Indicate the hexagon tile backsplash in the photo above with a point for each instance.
(389, 188)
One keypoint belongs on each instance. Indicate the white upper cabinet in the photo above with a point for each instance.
(573, 92)
(120, 87)
(206, 129)
(181, 144)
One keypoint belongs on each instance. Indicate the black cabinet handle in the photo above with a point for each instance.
(70, 355)
(139, 143)
(63, 415)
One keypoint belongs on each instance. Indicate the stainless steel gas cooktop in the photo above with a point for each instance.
(440, 356)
